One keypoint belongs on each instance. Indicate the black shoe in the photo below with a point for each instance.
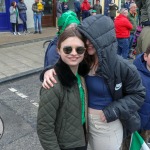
(35, 32)
(40, 32)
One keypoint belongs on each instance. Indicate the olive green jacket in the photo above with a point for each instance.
(134, 21)
(112, 9)
(144, 6)
(59, 123)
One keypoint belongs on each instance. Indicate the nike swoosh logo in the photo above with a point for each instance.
(118, 86)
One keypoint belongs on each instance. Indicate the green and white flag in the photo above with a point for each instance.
(137, 142)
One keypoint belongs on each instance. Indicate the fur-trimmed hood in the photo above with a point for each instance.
(66, 76)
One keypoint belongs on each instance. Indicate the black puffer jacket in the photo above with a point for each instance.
(121, 76)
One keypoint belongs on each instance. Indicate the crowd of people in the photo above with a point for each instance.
(18, 16)
(82, 10)
(92, 97)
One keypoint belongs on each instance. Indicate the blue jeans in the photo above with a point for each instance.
(37, 22)
(85, 14)
(23, 17)
(123, 47)
(131, 38)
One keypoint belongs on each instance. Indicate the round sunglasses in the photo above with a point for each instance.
(79, 49)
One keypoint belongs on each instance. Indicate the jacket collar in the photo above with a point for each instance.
(66, 76)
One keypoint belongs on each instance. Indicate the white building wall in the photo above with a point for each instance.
(30, 21)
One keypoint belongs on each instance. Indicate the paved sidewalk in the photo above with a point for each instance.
(8, 39)
(22, 55)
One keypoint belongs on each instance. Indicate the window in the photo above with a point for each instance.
(48, 7)
(2, 6)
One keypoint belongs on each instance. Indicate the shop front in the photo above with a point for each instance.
(48, 19)
(49, 13)
(4, 15)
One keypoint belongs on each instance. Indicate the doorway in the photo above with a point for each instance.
(4, 15)
(49, 13)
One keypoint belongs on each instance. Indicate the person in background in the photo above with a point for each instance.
(132, 16)
(65, 6)
(40, 5)
(142, 62)
(67, 20)
(59, 9)
(14, 18)
(85, 7)
(77, 8)
(144, 8)
(115, 91)
(143, 40)
(127, 4)
(98, 7)
(37, 14)
(94, 12)
(23, 16)
(123, 28)
(112, 10)
(62, 113)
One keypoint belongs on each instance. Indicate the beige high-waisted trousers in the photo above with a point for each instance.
(104, 136)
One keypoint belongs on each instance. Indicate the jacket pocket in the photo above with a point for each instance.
(132, 124)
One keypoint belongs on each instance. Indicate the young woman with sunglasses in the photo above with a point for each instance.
(115, 92)
(61, 120)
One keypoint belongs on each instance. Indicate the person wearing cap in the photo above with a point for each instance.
(94, 12)
(112, 10)
(66, 20)
(64, 6)
(98, 7)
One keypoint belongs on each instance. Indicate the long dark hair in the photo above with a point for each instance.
(90, 60)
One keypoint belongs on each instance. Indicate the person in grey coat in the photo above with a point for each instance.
(14, 18)
(59, 9)
(22, 13)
